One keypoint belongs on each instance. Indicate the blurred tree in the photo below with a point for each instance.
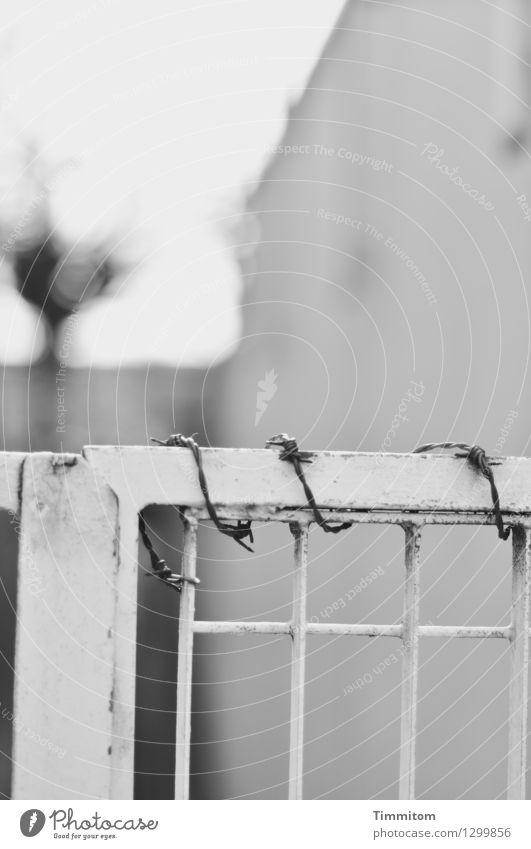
(55, 276)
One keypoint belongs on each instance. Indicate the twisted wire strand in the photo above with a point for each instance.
(160, 568)
(239, 532)
(291, 453)
(477, 456)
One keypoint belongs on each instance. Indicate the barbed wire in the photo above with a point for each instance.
(160, 568)
(478, 458)
(242, 530)
(291, 453)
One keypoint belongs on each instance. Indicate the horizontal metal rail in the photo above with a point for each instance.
(340, 481)
(332, 629)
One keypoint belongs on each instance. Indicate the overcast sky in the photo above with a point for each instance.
(152, 119)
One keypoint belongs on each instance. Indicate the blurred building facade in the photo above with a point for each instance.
(386, 305)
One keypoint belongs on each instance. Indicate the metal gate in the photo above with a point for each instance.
(77, 579)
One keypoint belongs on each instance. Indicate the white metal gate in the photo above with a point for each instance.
(77, 579)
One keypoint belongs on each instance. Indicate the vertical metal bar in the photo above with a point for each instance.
(298, 660)
(519, 661)
(185, 662)
(410, 648)
(124, 635)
